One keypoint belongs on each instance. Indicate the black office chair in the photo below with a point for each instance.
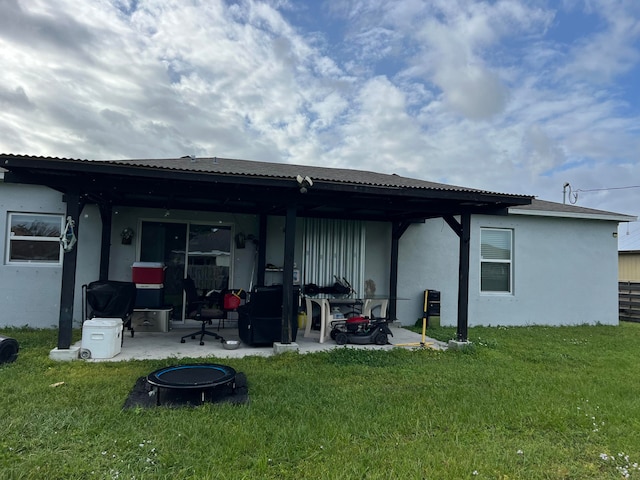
(203, 309)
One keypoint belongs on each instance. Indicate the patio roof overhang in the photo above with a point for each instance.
(241, 186)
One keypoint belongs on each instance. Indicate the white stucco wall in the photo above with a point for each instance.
(30, 293)
(378, 255)
(428, 260)
(564, 271)
(88, 260)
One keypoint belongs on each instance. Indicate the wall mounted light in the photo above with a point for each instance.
(127, 235)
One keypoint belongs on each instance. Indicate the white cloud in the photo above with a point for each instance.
(614, 49)
(378, 134)
(475, 93)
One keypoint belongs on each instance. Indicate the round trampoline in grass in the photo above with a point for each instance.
(199, 376)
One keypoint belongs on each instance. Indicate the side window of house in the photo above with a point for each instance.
(496, 260)
(34, 238)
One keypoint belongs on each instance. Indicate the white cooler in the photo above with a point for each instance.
(101, 338)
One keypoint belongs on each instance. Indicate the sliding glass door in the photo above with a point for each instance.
(209, 256)
(199, 250)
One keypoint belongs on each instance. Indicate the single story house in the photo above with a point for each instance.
(496, 259)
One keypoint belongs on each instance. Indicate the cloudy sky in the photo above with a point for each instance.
(514, 96)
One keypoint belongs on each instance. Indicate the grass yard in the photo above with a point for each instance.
(522, 403)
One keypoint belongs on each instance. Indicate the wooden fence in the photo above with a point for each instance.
(629, 301)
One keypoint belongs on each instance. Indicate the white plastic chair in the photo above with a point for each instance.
(325, 317)
(371, 304)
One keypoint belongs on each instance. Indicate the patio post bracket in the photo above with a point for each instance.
(454, 224)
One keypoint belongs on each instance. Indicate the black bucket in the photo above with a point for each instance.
(8, 349)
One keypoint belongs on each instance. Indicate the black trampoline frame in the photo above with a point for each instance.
(225, 375)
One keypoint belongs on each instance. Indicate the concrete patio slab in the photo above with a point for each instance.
(161, 345)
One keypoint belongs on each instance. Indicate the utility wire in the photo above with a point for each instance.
(573, 194)
(605, 189)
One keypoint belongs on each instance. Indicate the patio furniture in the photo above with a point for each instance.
(375, 305)
(109, 299)
(260, 319)
(325, 317)
(201, 309)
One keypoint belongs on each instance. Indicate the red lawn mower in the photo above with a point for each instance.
(360, 331)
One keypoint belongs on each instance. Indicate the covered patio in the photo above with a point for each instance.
(161, 345)
(263, 189)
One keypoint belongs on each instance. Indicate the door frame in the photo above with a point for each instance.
(188, 223)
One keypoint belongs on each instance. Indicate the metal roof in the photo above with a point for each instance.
(546, 208)
(229, 166)
(221, 184)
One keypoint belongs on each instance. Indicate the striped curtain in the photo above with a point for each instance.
(334, 248)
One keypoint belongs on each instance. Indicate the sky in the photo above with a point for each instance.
(510, 96)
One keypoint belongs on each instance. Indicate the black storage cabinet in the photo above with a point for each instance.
(260, 319)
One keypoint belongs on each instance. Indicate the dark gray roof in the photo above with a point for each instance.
(229, 166)
(248, 169)
(258, 169)
(222, 184)
(562, 209)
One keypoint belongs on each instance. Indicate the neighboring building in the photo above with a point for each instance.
(629, 266)
(542, 263)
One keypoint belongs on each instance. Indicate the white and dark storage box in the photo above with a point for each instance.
(151, 319)
(101, 338)
(147, 272)
(149, 295)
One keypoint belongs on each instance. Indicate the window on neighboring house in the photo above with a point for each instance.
(496, 260)
(34, 238)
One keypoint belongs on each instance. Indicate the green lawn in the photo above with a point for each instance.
(522, 403)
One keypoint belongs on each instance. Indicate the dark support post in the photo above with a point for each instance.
(262, 248)
(463, 278)
(287, 272)
(69, 261)
(106, 214)
(463, 230)
(397, 230)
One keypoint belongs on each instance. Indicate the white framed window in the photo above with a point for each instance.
(34, 238)
(496, 260)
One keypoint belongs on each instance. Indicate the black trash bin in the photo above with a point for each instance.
(8, 349)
